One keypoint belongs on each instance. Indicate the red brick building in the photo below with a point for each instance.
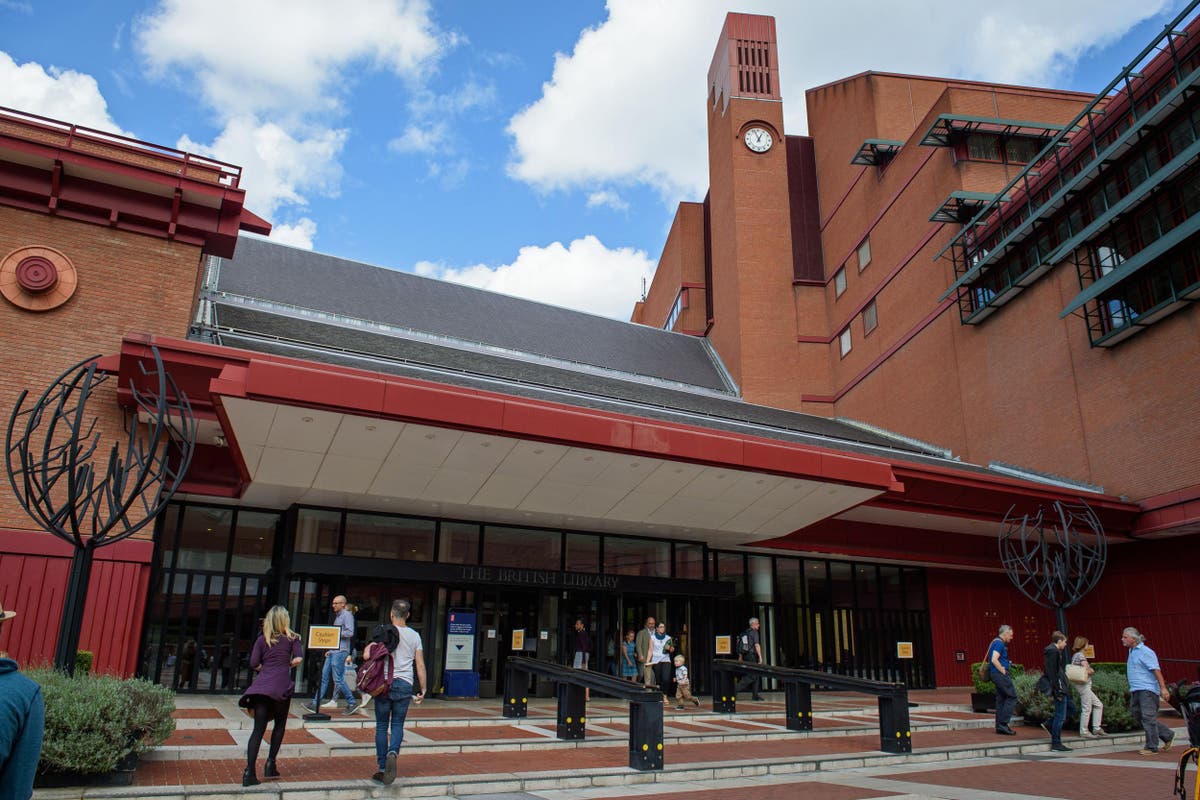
(372, 433)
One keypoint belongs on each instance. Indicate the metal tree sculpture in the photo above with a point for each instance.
(51, 452)
(1056, 561)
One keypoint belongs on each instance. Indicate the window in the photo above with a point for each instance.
(317, 531)
(864, 254)
(378, 536)
(681, 302)
(522, 547)
(870, 318)
(983, 147)
(839, 282)
(1021, 149)
(650, 558)
(458, 543)
(844, 342)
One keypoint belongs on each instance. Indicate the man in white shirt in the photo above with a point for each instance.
(391, 708)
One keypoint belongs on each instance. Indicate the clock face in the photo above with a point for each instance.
(759, 140)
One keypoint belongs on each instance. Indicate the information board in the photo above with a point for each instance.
(723, 646)
(904, 650)
(460, 640)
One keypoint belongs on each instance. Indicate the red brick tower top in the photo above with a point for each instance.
(746, 61)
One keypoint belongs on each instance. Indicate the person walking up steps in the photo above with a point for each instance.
(269, 695)
(391, 708)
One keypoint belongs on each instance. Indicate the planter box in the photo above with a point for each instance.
(121, 776)
(981, 703)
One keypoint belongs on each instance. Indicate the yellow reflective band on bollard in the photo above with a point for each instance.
(512, 700)
(583, 719)
(908, 734)
(569, 722)
(524, 699)
(660, 745)
(645, 747)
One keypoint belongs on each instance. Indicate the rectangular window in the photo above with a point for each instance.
(844, 342)
(378, 536)
(317, 531)
(870, 318)
(681, 302)
(253, 539)
(583, 552)
(864, 254)
(458, 543)
(521, 547)
(983, 147)
(650, 558)
(689, 561)
(1021, 149)
(839, 282)
(204, 538)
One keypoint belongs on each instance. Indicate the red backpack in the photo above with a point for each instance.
(375, 675)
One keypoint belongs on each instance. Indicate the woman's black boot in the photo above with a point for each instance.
(248, 777)
(269, 770)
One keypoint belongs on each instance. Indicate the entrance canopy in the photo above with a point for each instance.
(278, 431)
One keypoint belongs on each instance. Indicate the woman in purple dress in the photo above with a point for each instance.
(269, 696)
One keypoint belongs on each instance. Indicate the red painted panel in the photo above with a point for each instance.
(563, 425)
(33, 585)
(967, 608)
(316, 387)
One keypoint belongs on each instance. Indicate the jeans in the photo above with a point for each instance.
(1006, 698)
(1143, 705)
(1056, 722)
(335, 667)
(390, 711)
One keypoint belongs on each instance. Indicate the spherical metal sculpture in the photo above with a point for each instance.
(1054, 558)
(90, 499)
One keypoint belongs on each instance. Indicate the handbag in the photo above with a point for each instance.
(1077, 673)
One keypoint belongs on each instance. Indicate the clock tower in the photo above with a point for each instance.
(753, 283)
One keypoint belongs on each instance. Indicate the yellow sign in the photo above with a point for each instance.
(324, 637)
(518, 639)
(904, 650)
(724, 646)
(1089, 652)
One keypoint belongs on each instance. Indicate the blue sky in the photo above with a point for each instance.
(535, 148)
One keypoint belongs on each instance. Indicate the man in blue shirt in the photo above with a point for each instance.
(22, 719)
(1146, 685)
(335, 660)
(1006, 692)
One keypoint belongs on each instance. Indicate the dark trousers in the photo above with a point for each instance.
(1056, 722)
(663, 672)
(1143, 705)
(267, 709)
(1006, 698)
(748, 681)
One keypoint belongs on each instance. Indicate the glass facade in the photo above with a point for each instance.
(218, 569)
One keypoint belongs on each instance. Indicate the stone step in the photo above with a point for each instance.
(333, 743)
(496, 782)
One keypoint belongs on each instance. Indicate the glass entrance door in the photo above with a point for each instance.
(500, 614)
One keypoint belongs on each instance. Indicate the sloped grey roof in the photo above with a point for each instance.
(268, 332)
(290, 276)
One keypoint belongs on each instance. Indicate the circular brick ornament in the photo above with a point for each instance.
(37, 278)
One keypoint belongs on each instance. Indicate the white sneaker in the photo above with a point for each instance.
(1087, 734)
(329, 704)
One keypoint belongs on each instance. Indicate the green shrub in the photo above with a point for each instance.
(94, 721)
(1110, 686)
(83, 662)
(987, 687)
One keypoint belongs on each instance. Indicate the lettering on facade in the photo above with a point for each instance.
(539, 577)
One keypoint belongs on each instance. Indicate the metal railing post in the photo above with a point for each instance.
(516, 692)
(797, 698)
(895, 731)
(723, 699)
(646, 736)
(572, 710)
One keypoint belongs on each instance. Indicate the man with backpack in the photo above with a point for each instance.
(749, 649)
(397, 649)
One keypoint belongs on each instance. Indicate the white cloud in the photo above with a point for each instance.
(613, 110)
(607, 197)
(298, 234)
(426, 138)
(277, 167)
(286, 55)
(61, 94)
(585, 275)
(274, 73)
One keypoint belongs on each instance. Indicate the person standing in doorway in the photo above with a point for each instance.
(267, 698)
(629, 658)
(998, 667)
(1146, 686)
(750, 651)
(22, 721)
(642, 648)
(391, 708)
(334, 669)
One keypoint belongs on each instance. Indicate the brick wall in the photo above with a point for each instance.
(127, 282)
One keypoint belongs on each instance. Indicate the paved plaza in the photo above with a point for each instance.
(467, 749)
